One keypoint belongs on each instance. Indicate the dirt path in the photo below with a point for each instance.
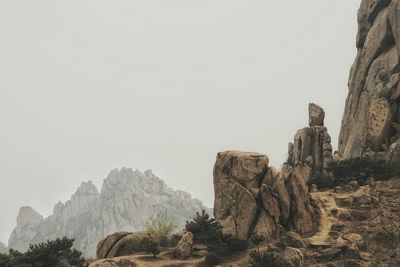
(146, 260)
(327, 201)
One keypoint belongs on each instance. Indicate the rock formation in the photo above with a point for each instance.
(252, 197)
(28, 221)
(370, 124)
(3, 248)
(127, 200)
(312, 146)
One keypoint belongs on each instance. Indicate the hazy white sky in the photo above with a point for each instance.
(88, 86)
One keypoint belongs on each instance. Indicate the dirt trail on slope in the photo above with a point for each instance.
(327, 202)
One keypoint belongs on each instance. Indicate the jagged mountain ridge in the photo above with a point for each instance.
(126, 201)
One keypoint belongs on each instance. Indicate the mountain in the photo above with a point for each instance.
(127, 200)
(371, 119)
(3, 248)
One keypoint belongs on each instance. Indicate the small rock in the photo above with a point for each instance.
(355, 238)
(294, 240)
(344, 201)
(294, 256)
(338, 227)
(329, 254)
(184, 248)
(313, 188)
(200, 253)
(359, 215)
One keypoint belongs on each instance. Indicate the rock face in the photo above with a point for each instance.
(312, 146)
(28, 221)
(3, 248)
(252, 197)
(127, 200)
(370, 124)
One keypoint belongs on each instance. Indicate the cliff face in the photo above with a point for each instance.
(127, 200)
(370, 124)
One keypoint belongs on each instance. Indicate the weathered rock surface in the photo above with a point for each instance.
(312, 147)
(27, 222)
(372, 111)
(184, 248)
(251, 197)
(127, 200)
(3, 248)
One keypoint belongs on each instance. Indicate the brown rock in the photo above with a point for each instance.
(316, 115)
(105, 246)
(294, 256)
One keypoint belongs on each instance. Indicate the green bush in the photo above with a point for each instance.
(360, 169)
(56, 253)
(269, 259)
(160, 230)
(209, 232)
(234, 244)
(204, 228)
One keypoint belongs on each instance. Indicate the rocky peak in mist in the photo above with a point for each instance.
(126, 201)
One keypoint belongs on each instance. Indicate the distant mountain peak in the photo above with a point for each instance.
(128, 198)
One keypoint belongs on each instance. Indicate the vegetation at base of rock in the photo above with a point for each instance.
(204, 228)
(270, 259)
(158, 233)
(362, 168)
(57, 252)
(160, 230)
(257, 239)
(209, 232)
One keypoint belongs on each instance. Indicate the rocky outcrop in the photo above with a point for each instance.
(28, 220)
(252, 197)
(312, 146)
(127, 200)
(370, 124)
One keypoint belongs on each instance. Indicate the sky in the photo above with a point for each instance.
(89, 86)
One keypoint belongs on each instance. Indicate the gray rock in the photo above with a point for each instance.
(127, 200)
(3, 248)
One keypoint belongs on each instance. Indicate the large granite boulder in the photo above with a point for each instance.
(251, 197)
(372, 109)
(107, 244)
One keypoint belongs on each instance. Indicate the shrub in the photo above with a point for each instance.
(360, 169)
(160, 229)
(209, 232)
(150, 246)
(234, 244)
(50, 253)
(204, 228)
(257, 239)
(269, 259)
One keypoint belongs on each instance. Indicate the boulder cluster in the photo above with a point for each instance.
(252, 197)
(371, 119)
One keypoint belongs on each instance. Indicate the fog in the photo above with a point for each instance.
(88, 86)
